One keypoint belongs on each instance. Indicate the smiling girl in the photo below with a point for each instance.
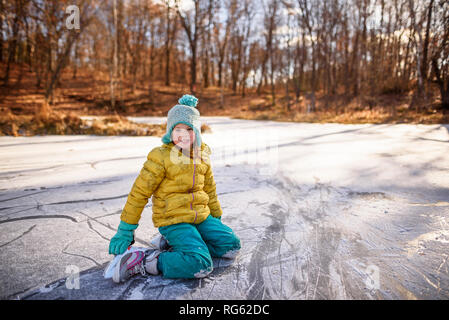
(178, 176)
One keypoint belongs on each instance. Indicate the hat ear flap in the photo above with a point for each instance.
(198, 139)
(167, 138)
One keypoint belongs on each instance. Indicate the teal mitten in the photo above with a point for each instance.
(123, 238)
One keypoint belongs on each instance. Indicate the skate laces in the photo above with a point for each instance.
(149, 253)
(139, 268)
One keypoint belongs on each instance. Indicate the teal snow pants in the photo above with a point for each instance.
(193, 246)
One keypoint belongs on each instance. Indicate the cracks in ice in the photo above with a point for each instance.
(40, 205)
(133, 290)
(79, 255)
(49, 216)
(22, 196)
(99, 234)
(17, 238)
(214, 282)
(279, 267)
(89, 223)
(138, 287)
(86, 200)
(20, 172)
(94, 163)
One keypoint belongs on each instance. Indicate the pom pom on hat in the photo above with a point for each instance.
(188, 100)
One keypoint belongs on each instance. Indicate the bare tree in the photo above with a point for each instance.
(192, 22)
(270, 20)
(440, 53)
(114, 65)
(248, 14)
(18, 15)
(416, 25)
(170, 35)
(308, 16)
(221, 39)
(359, 49)
(59, 58)
(2, 41)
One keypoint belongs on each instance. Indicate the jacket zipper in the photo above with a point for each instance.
(193, 197)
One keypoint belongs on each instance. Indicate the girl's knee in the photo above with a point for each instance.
(231, 254)
(186, 265)
(203, 266)
(233, 249)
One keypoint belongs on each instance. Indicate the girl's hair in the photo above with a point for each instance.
(196, 153)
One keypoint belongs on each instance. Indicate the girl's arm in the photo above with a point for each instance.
(149, 178)
(211, 190)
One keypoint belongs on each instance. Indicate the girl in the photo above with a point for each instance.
(178, 176)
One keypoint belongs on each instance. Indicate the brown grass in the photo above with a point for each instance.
(24, 111)
(377, 116)
(56, 123)
(46, 122)
(383, 109)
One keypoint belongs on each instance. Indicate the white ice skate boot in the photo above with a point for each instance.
(142, 261)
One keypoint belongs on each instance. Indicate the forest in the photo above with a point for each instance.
(347, 61)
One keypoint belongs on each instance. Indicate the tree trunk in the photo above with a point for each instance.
(220, 74)
(193, 70)
(273, 85)
(312, 107)
(60, 63)
(192, 36)
(1, 30)
(114, 65)
(272, 13)
(419, 93)
(167, 67)
(75, 61)
(13, 42)
(443, 84)
(206, 35)
(424, 64)
(355, 66)
(167, 45)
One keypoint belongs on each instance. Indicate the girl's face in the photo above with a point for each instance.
(183, 136)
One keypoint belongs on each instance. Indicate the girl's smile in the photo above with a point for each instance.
(183, 136)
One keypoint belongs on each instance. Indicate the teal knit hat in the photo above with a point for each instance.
(184, 112)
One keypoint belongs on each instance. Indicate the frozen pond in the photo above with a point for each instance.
(324, 211)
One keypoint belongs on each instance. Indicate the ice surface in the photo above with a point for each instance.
(324, 211)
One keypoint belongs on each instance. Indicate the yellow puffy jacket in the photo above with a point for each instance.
(183, 190)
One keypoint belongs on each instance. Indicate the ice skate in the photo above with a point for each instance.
(141, 261)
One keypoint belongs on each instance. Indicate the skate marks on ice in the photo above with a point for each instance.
(301, 239)
(294, 258)
(298, 242)
(304, 242)
(92, 286)
(324, 242)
